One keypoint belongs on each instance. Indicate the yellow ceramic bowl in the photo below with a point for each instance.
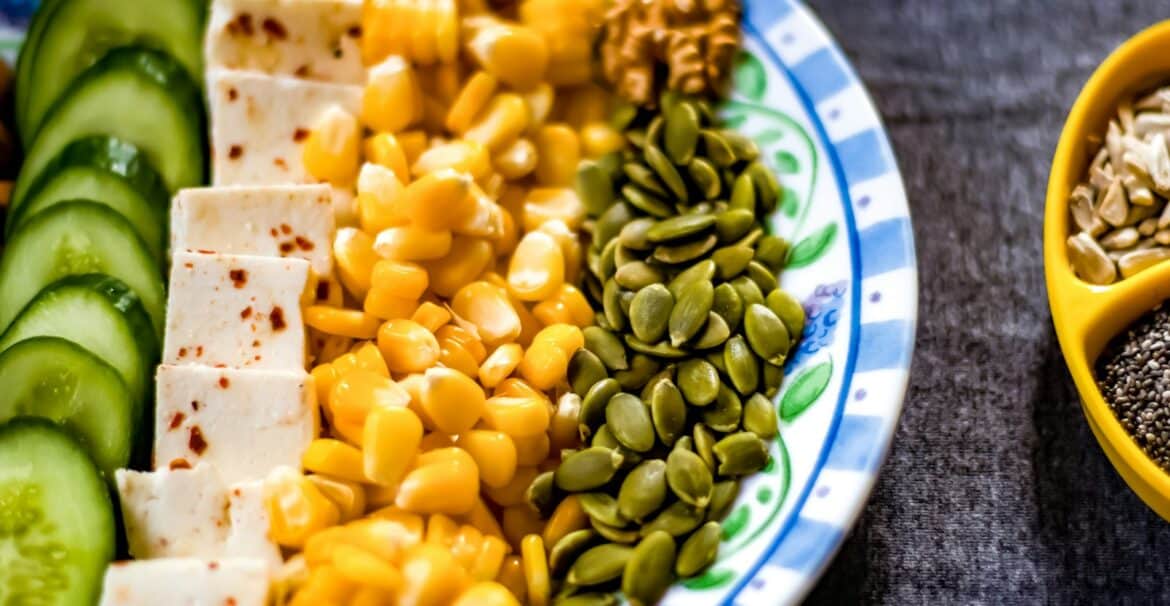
(1088, 316)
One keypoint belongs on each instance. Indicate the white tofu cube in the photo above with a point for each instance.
(311, 40)
(269, 221)
(174, 512)
(242, 422)
(236, 311)
(260, 122)
(248, 536)
(186, 582)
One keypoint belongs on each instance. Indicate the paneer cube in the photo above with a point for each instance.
(186, 582)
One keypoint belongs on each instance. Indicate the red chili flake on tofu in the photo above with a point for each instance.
(195, 405)
(204, 251)
(212, 565)
(280, 163)
(302, 71)
(224, 382)
(304, 243)
(322, 291)
(247, 311)
(274, 28)
(177, 420)
(300, 134)
(273, 232)
(242, 24)
(235, 151)
(189, 265)
(198, 351)
(230, 601)
(179, 464)
(233, 94)
(182, 352)
(239, 277)
(196, 442)
(285, 228)
(354, 31)
(286, 247)
(277, 318)
(255, 343)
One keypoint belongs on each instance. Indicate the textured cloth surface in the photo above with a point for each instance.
(995, 490)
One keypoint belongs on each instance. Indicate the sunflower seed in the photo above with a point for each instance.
(1120, 239)
(643, 491)
(699, 550)
(1089, 261)
(1114, 207)
(1138, 260)
(649, 570)
(599, 564)
(740, 454)
(587, 469)
(689, 477)
(667, 411)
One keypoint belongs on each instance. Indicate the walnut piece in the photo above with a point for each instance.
(683, 45)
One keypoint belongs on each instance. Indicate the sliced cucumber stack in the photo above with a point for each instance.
(57, 523)
(75, 238)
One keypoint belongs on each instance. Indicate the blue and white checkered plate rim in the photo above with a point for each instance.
(852, 265)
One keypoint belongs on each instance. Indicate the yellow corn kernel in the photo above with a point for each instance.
(351, 361)
(431, 316)
(465, 546)
(369, 358)
(386, 538)
(384, 149)
(359, 391)
(553, 203)
(484, 520)
(290, 577)
(487, 221)
(379, 200)
(296, 508)
(599, 138)
(567, 306)
(494, 454)
(407, 280)
(348, 430)
(441, 531)
(324, 377)
(498, 125)
(487, 594)
(391, 441)
(540, 101)
(512, 576)
(517, 160)
(432, 577)
(535, 569)
(515, 54)
(420, 40)
(453, 401)
(325, 585)
(513, 493)
(567, 337)
(345, 322)
(377, 21)
(558, 152)
(406, 527)
(567, 517)
(411, 243)
(349, 497)
(487, 306)
(335, 458)
(318, 549)
(434, 440)
(364, 568)
(500, 364)
(519, 388)
(440, 199)
(383, 304)
(414, 143)
(464, 337)
(563, 426)
(332, 151)
(407, 346)
(471, 100)
(531, 450)
(392, 99)
(462, 156)
(489, 560)
(467, 259)
(445, 480)
(544, 365)
(371, 596)
(353, 249)
(455, 356)
(520, 521)
(537, 267)
(570, 245)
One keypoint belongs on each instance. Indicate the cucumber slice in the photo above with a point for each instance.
(74, 238)
(23, 79)
(103, 316)
(56, 379)
(108, 171)
(139, 96)
(57, 524)
(78, 32)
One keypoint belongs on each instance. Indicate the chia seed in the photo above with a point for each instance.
(1133, 376)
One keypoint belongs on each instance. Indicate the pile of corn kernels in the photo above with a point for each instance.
(442, 344)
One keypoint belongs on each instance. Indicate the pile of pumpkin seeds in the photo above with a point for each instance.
(673, 390)
(1120, 218)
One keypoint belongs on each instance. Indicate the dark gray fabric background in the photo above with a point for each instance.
(995, 491)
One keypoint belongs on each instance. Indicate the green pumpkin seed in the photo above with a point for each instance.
(668, 411)
(611, 163)
(740, 454)
(676, 520)
(706, 113)
(633, 235)
(744, 148)
(666, 171)
(668, 99)
(702, 208)
(594, 187)
(593, 261)
(705, 178)
(587, 469)
(611, 302)
(734, 223)
(650, 312)
(637, 275)
(699, 381)
(623, 256)
(750, 238)
(727, 303)
(788, 309)
(661, 349)
(763, 277)
(727, 412)
(742, 367)
(766, 334)
(767, 187)
(689, 478)
(715, 332)
(654, 131)
(743, 193)
(650, 569)
(704, 444)
(604, 438)
(642, 367)
(617, 535)
(681, 135)
(772, 251)
(603, 508)
(699, 550)
(690, 311)
(759, 417)
(666, 374)
(623, 116)
(629, 421)
(748, 292)
(646, 201)
(702, 270)
(680, 227)
(611, 222)
(730, 261)
(606, 346)
(587, 599)
(723, 496)
(607, 260)
(685, 443)
(594, 401)
(715, 357)
(594, 291)
(637, 138)
(643, 491)
(564, 551)
(773, 377)
(585, 370)
(643, 177)
(716, 148)
(599, 564)
(542, 494)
